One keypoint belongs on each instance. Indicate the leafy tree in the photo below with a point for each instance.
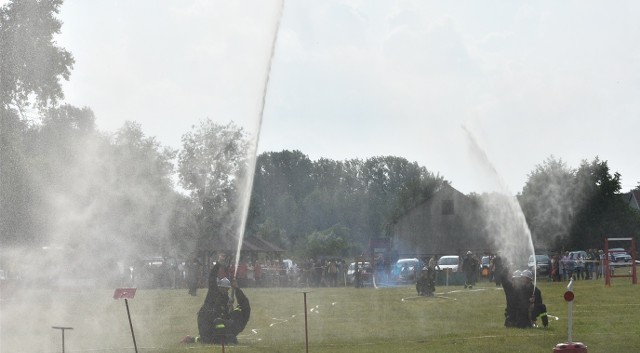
(31, 65)
(211, 165)
(294, 197)
(416, 191)
(385, 178)
(603, 213)
(282, 181)
(103, 192)
(333, 241)
(575, 209)
(140, 190)
(549, 202)
(16, 193)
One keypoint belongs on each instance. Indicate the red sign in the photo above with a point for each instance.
(124, 293)
(568, 296)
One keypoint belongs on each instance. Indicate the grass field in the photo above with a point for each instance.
(339, 320)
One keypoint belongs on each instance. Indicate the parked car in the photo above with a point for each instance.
(449, 262)
(619, 255)
(577, 253)
(404, 270)
(542, 264)
(366, 272)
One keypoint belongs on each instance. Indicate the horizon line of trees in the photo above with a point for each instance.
(113, 194)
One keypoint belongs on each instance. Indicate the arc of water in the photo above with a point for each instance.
(248, 182)
(513, 205)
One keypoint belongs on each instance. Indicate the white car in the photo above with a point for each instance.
(449, 262)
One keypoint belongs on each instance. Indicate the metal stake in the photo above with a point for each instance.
(306, 331)
(135, 346)
(62, 329)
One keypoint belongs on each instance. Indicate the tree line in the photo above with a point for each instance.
(63, 181)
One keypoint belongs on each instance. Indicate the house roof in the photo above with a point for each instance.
(634, 199)
(445, 187)
(249, 243)
(258, 244)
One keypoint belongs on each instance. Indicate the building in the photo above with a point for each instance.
(632, 198)
(445, 224)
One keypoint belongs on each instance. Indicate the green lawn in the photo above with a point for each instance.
(339, 320)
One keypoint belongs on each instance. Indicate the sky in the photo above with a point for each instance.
(479, 92)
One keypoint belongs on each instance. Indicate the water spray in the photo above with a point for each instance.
(248, 182)
(513, 206)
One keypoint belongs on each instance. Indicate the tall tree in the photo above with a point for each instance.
(211, 165)
(294, 198)
(575, 209)
(549, 201)
(603, 213)
(31, 65)
(139, 190)
(385, 178)
(282, 181)
(415, 191)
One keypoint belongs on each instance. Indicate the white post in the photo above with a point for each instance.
(570, 312)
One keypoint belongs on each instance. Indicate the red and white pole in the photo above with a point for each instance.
(570, 346)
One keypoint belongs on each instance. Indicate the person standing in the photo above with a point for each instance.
(333, 273)
(357, 275)
(563, 264)
(193, 275)
(599, 264)
(499, 269)
(257, 273)
(470, 269)
(580, 269)
(556, 268)
(570, 265)
(589, 263)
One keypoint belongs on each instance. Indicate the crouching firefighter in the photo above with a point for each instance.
(536, 307)
(215, 304)
(426, 284)
(225, 331)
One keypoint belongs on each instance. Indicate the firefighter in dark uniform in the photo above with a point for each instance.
(422, 283)
(225, 331)
(524, 301)
(536, 307)
(516, 314)
(470, 266)
(215, 304)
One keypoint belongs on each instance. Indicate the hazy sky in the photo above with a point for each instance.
(355, 79)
